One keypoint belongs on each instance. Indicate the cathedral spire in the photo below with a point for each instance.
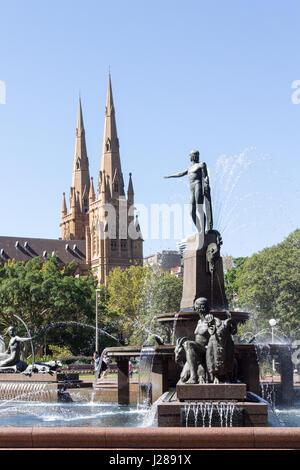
(81, 175)
(110, 162)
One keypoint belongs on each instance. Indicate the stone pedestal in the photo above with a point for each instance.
(197, 278)
(248, 368)
(191, 392)
(159, 376)
(123, 380)
(284, 355)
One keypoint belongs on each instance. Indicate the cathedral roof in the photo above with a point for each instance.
(24, 249)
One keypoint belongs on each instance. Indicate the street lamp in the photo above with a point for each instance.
(96, 342)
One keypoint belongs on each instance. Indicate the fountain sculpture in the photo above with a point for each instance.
(205, 378)
(39, 380)
(206, 373)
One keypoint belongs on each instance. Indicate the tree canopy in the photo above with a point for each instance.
(139, 293)
(59, 307)
(51, 300)
(268, 284)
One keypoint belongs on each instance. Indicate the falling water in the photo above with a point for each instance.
(195, 408)
(268, 393)
(151, 416)
(145, 372)
(187, 409)
(26, 391)
(208, 414)
(174, 326)
(150, 331)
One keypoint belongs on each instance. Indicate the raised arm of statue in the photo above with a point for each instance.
(178, 175)
(22, 339)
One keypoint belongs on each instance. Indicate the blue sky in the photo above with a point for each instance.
(213, 75)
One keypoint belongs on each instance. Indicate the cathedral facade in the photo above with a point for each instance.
(103, 216)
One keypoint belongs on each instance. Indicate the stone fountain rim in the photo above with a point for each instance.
(239, 316)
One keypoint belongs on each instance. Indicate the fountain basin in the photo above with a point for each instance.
(183, 323)
(85, 414)
(149, 438)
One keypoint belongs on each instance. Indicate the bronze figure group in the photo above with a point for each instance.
(209, 358)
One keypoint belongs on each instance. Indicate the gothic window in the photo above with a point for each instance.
(85, 203)
(108, 145)
(113, 245)
(78, 164)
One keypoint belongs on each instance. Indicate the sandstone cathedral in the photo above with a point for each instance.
(100, 230)
(87, 218)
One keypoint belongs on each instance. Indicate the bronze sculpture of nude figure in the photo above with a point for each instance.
(199, 190)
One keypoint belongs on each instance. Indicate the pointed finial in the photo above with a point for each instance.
(80, 125)
(64, 210)
(130, 192)
(109, 97)
(92, 191)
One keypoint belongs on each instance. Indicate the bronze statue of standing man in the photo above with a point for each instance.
(199, 190)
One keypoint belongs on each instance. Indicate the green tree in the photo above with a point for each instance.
(56, 304)
(269, 284)
(139, 293)
(231, 276)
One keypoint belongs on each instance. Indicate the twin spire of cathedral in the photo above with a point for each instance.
(88, 216)
(81, 174)
(110, 171)
(110, 181)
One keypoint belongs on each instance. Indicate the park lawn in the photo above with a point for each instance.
(113, 375)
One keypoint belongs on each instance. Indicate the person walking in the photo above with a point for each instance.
(105, 365)
(95, 360)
